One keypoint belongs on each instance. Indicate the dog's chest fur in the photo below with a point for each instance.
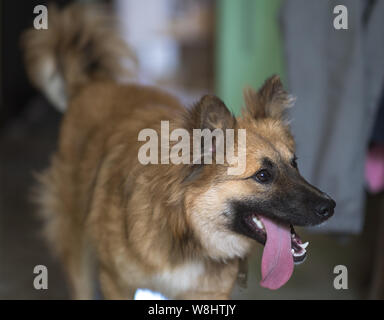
(178, 280)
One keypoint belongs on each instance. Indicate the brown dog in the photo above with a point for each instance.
(179, 229)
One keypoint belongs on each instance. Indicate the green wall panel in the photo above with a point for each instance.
(249, 47)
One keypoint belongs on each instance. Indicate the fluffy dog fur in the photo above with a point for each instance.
(169, 228)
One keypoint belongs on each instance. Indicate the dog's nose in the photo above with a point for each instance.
(326, 208)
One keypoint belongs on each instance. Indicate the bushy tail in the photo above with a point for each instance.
(80, 45)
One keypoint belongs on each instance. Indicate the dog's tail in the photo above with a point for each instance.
(80, 45)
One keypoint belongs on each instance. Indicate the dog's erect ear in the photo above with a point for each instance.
(211, 113)
(269, 102)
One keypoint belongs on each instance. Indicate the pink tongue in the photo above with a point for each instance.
(277, 261)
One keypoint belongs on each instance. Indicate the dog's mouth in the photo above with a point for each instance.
(282, 249)
(298, 248)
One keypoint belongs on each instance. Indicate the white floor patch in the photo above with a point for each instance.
(145, 294)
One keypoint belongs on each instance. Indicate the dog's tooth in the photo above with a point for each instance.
(304, 245)
(258, 223)
(293, 251)
(299, 254)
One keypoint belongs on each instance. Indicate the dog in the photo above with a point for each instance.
(178, 229)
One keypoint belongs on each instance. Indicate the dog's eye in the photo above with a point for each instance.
(263, 176)
(294, 162)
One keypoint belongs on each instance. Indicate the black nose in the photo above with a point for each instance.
(326, 208)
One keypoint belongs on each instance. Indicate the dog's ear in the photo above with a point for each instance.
(269, 102)
(211, 113)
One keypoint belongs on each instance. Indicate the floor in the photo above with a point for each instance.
(25, 148)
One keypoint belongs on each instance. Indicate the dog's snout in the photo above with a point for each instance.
(325, 208)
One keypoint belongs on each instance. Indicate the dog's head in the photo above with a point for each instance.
(228, 212)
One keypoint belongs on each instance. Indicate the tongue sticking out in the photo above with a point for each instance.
(277, 261)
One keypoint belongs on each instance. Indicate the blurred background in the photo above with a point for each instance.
(193, 47)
